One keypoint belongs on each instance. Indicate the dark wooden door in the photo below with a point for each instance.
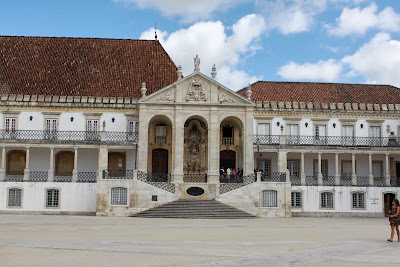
(159, 161)
(227, 159)
(388, 199)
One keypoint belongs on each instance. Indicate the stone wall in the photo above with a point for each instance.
(248, 199)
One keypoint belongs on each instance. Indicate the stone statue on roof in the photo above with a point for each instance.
(197, 63)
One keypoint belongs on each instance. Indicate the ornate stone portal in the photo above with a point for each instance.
(195, 147)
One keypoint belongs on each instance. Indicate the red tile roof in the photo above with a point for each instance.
(323, 92)
(83, 66)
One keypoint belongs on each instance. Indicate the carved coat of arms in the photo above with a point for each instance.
(196, 91)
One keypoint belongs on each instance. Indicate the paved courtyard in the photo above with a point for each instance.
(99, 241)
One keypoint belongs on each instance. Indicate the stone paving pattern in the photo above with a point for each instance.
(104, 241)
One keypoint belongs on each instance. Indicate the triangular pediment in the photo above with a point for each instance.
(196, 89)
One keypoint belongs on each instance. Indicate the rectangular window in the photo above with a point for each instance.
(269, 198)
(292, 132)
(51, 129)
(264, 133)
(293, 167)
(10, 124)
(296, 199)
(14, 197)
(375, 136)
(161, 130)
(92, 125)
(133, 130)
(326, 200)
(263, 129)
(347, 169)
(377, 169)
(348, 131)
(52, 199)
(133, 127)
(10, 127)
(358, 201)
(118, 196)
(264, 166)
(320, 131)
(324, 168)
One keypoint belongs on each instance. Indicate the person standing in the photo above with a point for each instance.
(394, 220)
(228, 172)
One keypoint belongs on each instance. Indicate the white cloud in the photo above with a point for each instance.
(327, 71)
(359, 21)
(210, 42)
(189, 10)
(292, 16)
(378, 61)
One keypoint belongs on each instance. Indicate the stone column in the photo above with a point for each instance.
(282, 161)
(213, 147)
(178, 146)
(3, 163)
(353, 169)
(319, 174)
(337, 174)
(303, 173)
(51, 167)
(387, 169)
(75, 170)
(102, 161)
(143, 140)
(370, 174)
(248, 153)
(26, 170)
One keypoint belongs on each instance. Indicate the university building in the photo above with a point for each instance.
(111, 127)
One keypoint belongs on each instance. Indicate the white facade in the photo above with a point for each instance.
(110, 158)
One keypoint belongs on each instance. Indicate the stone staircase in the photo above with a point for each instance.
(195, 209)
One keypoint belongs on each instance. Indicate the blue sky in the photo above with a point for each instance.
(345, 41)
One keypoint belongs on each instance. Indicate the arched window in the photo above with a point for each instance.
(14, 197)
(119, 196)
(269, 198)
(327, 200)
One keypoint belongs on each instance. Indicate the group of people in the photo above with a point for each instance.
(230, 173)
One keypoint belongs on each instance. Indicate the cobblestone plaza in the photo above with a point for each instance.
(111, 241)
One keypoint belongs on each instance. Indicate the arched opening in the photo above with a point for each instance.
(116, 164)
(195, 146)
(231, 145)
(227, 159)
(64, 163)
(159, 159)
(16, 162)
(160, 145)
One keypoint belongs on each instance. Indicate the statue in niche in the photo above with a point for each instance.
(195, 148)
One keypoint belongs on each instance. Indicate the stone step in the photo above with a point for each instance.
(196, 209)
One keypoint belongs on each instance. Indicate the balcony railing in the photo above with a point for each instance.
(228, 141)
(273, 177)
(335, 141)
(194, 178)
(14, 176)
(85, 137)
(62, 177)
(87, 177)
(117, 174)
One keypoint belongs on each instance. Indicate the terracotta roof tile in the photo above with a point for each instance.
(82, 66)
(323, 92)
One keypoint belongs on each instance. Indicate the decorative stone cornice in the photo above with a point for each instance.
(67, 101)
(327, 107)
